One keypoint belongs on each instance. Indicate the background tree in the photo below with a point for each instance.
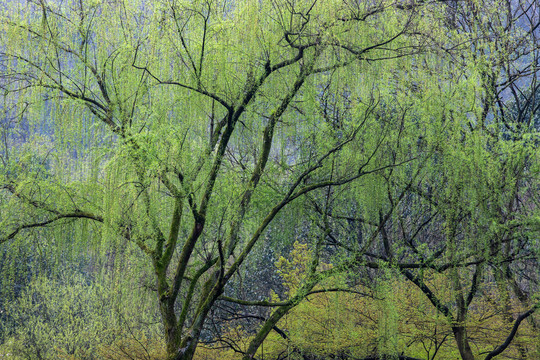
(471, 206)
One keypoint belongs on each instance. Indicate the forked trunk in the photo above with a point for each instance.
(179, 352)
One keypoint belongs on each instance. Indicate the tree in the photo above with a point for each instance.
(186, 127)
(471, 213)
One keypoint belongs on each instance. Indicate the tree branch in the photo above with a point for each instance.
(73, 215)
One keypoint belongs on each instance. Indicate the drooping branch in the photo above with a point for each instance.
(72, 215)
(498, 350)
(265, 303)
(429, 294)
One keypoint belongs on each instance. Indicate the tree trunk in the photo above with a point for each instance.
(170, 328)
(460, 334)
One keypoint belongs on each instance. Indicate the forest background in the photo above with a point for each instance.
(282, 179)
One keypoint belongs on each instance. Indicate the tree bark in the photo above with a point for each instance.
(460, 334)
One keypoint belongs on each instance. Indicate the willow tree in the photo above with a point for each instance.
(471, 215)
(488, 212)
(186, 127)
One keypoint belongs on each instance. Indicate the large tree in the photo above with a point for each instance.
(472, 213)
(187, 127)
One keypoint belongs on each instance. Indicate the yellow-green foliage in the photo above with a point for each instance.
(76, 319)
(294, 271)
(133, 346)
(394, 318)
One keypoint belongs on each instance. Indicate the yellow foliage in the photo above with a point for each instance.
(294, 271)
(348, 323)
(136, 347)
